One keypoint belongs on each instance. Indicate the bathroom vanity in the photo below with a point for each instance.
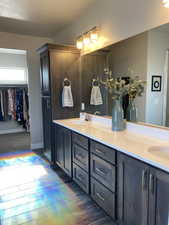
(124, 172)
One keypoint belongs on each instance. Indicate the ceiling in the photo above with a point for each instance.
(39, 17)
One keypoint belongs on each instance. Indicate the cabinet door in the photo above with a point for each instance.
(132, 191)
(67, 152)
(158, 197)
(59, 146)
(45, 74)
(46, 113)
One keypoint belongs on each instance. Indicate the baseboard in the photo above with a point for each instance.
(36, 146)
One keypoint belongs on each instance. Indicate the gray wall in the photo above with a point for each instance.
(131, 54)
(30, 43)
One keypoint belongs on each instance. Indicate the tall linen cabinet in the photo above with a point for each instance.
(56, 63)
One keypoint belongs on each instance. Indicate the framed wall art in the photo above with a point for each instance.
(156, 83)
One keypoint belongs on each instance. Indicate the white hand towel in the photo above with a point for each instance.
(67, 99)
(96, 97)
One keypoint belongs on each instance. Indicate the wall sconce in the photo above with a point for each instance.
(166, 3)
(88, 39)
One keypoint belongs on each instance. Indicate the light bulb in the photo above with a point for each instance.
(94, 36)
(79, 44)
(166, 3)
(86, 40)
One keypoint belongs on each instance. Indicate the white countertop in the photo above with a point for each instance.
(131, 143)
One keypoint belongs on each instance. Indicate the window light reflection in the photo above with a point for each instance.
(20, 175)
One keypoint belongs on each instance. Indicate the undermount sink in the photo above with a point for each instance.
(162, 151)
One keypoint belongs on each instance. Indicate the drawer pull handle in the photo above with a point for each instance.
(101, 171)
(79, 155)
(100, 152)
(100, 196)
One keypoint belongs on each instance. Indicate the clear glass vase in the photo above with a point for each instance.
(118, 122)
(131, 113)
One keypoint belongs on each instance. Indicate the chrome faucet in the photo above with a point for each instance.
(97, 113)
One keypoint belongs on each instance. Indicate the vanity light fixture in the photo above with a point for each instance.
(88, 39)
(166, 3)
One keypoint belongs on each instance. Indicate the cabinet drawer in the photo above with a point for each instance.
(81, 157)
(103, 172)
(104, 198)
(80, 140)
(81, 178)
(103, 151)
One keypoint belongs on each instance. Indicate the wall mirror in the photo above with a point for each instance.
(147, 56)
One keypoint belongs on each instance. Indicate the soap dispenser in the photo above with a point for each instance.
(82, 113)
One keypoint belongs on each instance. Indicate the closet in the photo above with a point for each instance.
(57, 62)
(14, 108)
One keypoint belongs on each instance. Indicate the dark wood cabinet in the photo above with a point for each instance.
(81, 154)
(132, 191)
(47, 123)
(103, 177)
(45, 74)
(158, 197)
(143, 193)
(56, 63)
(59, 146)
(63, 154)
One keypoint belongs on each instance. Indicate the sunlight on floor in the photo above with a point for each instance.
(31, 193)
(15, 176)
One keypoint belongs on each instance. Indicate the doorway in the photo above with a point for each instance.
(14, 101)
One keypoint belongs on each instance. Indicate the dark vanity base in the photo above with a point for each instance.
(128, 190)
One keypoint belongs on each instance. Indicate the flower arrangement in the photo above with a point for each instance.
(135, 87)
(118, 87)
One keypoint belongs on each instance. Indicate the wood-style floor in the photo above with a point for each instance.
(31, 193)
(14, 142)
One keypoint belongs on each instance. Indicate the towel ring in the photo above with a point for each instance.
(95, 82)
(66, 82)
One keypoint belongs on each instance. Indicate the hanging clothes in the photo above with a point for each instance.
(19, 106)
(26, 109)
(14, 105)
(5, 103)
(11, 103)
(1, 107)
